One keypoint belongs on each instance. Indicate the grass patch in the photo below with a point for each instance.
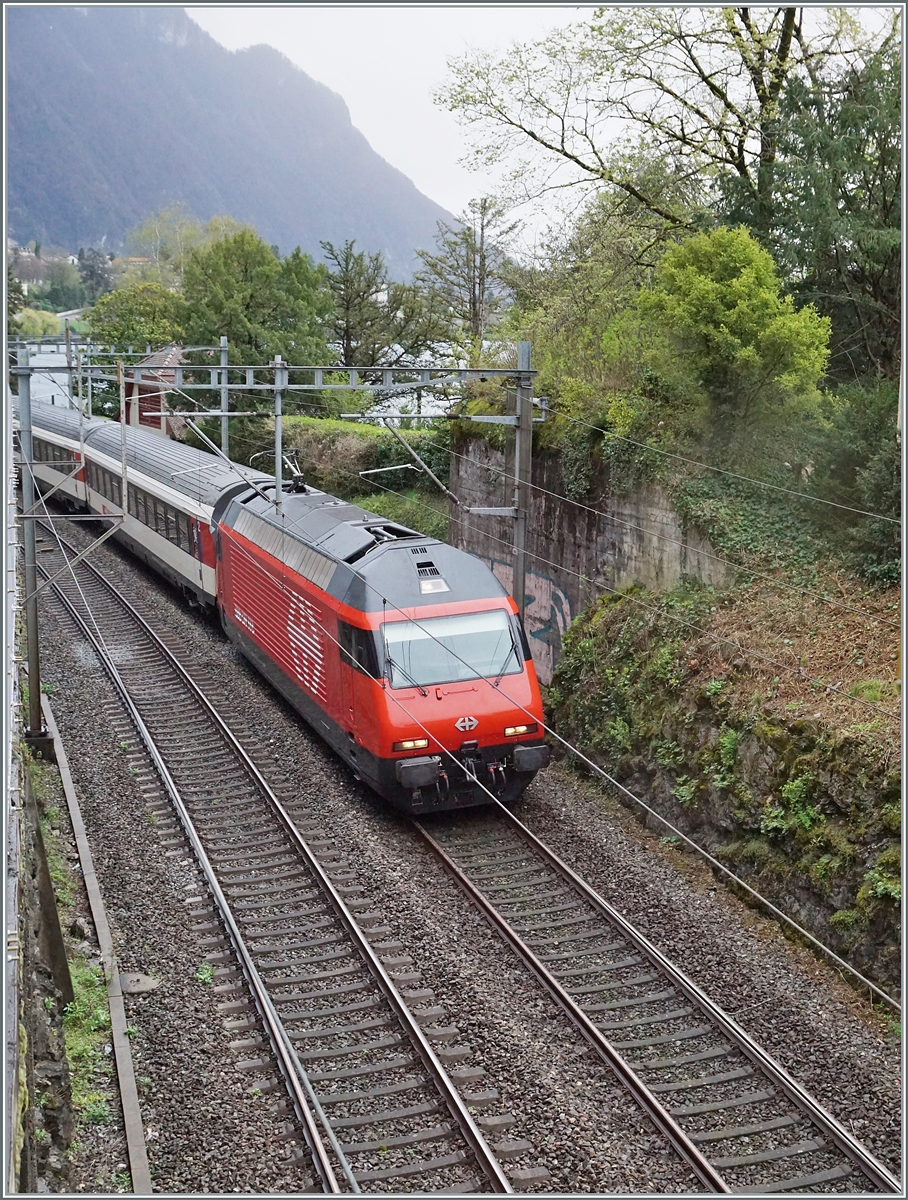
(56, 861)
(86, 1021)
(86, 1028)
(875, 690)
(205, 973)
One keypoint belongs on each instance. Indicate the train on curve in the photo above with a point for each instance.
(406, 655)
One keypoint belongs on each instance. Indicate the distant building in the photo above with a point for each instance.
(57, 254)
(146, 400)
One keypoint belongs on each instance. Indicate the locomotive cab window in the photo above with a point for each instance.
(451, 649)
(357, 648)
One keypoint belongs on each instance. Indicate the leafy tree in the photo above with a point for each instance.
(376, 322)
(168, 237)
(467, 271)
(837, 228)
(856, 462)
(137, 314)
(15, 300)
(718, 298)
(701, 85)
(877, 542)
(359, 284)
(95, 272)
(236, 286)
(35, 323)
(62, 288)
(576, 301)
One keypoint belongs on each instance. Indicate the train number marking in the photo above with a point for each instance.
(465, 724)
(243, 619)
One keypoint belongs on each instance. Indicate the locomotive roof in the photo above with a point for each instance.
(195, 473)
(358, 557)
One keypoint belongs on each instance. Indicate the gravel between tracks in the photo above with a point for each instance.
(583, 1127)
(205, 1131)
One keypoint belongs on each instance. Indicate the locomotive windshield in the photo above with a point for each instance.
(451, 649)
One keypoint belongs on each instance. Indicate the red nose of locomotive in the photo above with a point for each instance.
(465, 740)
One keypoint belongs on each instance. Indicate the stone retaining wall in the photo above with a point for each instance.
(635, 539)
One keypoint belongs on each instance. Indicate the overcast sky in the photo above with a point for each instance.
(386, 61)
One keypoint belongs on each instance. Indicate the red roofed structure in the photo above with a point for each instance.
(155, 377)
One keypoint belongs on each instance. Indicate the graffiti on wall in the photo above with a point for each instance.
(546, 616)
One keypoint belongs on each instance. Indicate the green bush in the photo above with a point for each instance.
(332, 453)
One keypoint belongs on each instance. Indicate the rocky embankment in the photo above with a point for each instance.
(795, 787)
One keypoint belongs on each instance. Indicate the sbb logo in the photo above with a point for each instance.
(465, 724)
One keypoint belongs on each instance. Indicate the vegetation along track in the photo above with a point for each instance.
(376, 1107)
(740, 1121)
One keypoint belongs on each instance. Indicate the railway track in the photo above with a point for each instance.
(740, 1121)
(362, 1068)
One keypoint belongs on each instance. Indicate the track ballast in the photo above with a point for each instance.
(739, 1120)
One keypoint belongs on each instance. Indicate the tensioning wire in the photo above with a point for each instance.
(599, 771)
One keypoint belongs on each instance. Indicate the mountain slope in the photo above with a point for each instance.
(114, 112)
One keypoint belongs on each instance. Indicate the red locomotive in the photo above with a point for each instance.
(406, 655)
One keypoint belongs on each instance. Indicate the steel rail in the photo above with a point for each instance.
(666, 1125)
(866, 1163)
(277, 1035)
(843, 1139)
(857, 1153)
(458, 1110)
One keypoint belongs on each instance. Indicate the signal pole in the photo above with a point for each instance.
(35, 734)
(523, 458)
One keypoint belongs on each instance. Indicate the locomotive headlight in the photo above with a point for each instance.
(520, 730)
(411, 744)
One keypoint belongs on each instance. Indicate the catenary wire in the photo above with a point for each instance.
(722, 471)
(677, 832)
(604, 774)
(743, 649)
(681, 458)
(777, 583)
(805, 591)
(752, 653)
(71, 570)
(579, 754)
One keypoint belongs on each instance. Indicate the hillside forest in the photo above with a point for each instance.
(715, 312)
